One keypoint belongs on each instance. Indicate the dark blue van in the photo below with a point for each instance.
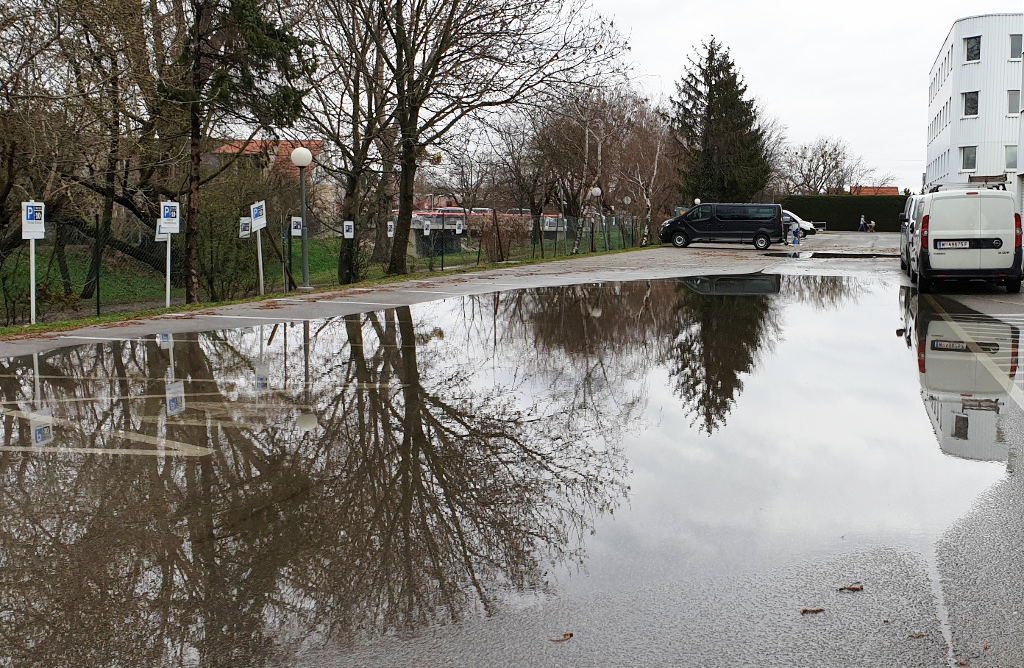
(757, 224)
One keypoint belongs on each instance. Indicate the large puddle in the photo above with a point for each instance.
(448, 479)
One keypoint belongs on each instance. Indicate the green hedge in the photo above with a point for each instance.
(843, 212)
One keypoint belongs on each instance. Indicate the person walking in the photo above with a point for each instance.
(863, 224)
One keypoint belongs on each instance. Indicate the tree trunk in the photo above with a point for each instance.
(192, 220)
(406, 194)
(62, 260)
(348, 255)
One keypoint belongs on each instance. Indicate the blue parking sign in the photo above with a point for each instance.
(170, 211)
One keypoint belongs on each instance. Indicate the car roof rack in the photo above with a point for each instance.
(972, 185)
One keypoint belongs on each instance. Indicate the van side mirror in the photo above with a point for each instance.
(903, 217)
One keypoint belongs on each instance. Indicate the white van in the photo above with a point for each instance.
(966, 234)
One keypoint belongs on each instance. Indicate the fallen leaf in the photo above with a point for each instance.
(856, 586)
(918, 635)
(811, 611)
(565, 636)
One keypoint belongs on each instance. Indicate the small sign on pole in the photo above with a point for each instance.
(170, 220)
(458, 226)
(296, 226)
(244, 227)
(426, 228)
(33, 226)
(391, 229)
(169, 223)
(350, 229)
(258, 211)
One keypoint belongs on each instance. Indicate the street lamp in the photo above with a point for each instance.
(301, 157)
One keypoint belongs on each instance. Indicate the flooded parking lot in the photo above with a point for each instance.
(714, 470)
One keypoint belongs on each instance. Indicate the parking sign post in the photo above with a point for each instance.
(259, 221)
(33, 226)
(169, 223)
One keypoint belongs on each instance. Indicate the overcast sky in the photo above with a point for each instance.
(856, 70)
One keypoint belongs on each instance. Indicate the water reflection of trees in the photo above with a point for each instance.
(605, 338)
(424, 495)
(714, 340)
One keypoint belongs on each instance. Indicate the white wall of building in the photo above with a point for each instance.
(996, 126)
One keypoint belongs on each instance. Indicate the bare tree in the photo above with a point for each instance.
(451, 60)
(825, 166)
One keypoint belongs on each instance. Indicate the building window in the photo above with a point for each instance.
(971, 103)
(969, 158)
(1011, 157)
(972, 49)
(1015, 46)
(1013, 101)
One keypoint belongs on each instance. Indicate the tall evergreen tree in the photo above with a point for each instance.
(239, 66)
(722, 143)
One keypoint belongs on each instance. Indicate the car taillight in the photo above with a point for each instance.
(921, 346)
(1016, 230)
(924, 229)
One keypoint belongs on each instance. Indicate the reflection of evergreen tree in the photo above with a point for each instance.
(717, 339)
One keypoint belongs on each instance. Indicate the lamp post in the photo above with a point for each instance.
(596, 192)
(301, 157)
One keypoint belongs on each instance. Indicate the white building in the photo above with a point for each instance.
(974, 103)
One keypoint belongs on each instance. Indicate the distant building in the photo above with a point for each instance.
(974, 103)
(874, 190)
(273, 154)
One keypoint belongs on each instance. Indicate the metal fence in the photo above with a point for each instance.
(66, 267)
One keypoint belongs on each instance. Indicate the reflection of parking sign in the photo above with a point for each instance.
(175, 397)
(262, 377)
(41, 424)
(43, 434)
(391, 229)
(244, 227)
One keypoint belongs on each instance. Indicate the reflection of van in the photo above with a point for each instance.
(965, 361)
(759, 224)
(966, 234)
(737, 284)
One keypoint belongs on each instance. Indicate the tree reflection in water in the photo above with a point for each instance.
(424, 496)
(440, 476)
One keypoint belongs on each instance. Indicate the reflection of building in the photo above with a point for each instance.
(966, 362)
(736, 284)
(974, 102)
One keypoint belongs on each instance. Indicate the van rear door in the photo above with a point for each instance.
(972, 232)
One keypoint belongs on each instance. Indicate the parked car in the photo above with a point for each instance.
(966, 234)
(759, 224)
(482, 210)
(518, 212)
(907, 231)
(806, 227)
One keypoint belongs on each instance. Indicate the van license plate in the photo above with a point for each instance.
(953, 244)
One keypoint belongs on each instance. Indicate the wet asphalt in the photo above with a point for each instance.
(953, 601)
